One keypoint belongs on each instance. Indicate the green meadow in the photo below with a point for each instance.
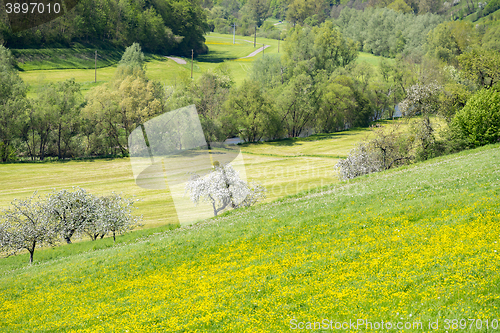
(415, 245)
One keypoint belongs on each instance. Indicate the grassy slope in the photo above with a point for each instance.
(417, 243)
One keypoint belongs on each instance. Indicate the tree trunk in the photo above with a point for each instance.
(32, 251)
(59, 142)
(114, 238)
(67, 239)
(215, 209)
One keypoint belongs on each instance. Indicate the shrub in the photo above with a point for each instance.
(479, 120)
(390, 148)
(361, 161)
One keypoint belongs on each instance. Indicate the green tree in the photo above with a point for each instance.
(450, 39)
(336, 102)
(310, 50)
(132, 62)
(13, 104)
(253, 112)
(268, 71)
(67, 104)
(481, 66)
(118, 107)
(209, 95)
(479, 120)
(299, 11)
(400, 6)
(258, 10)
(298, 104)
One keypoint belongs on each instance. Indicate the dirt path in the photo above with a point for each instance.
(256, 51)
(178, 60)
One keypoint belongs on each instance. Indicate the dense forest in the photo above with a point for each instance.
(440, 67)
(160, 26)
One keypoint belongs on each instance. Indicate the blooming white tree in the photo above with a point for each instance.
(26, 226)
(71, 211)
(389, 148)
(224, 188)
(80, 212)
(361, 161)
(115, 214)
(421, 99)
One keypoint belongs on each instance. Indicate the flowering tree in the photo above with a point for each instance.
(389, 148)
(115, 215)
(361, 161)
(422, 99)
(224, 188)
(71, 210)
(26, 226)
(80, 212)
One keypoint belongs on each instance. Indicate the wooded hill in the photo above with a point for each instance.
(160, 26)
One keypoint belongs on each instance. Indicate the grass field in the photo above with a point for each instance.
(412, 245)
(283, 167)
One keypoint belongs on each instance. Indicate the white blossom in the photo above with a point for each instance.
(115, 214)
(223, 188)
(26, 226)
(421, 99)
(361, 161)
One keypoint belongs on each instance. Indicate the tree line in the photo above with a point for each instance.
(248, 15)
(312, 84)
(160, 26)
(63, 215)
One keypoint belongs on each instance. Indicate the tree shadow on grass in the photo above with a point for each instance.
(297, 141)
(216, 57)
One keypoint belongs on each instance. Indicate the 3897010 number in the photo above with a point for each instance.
(469, 324)
(32, 8)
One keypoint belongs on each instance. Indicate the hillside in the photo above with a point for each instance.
(415, 244)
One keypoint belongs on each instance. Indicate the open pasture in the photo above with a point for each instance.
(417, 244)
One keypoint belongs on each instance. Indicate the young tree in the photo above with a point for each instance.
(132, 62)
(116, 214)
(26, 226)
(71, 211)
(223, 188)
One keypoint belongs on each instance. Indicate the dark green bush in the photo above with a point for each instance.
(479, 120)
